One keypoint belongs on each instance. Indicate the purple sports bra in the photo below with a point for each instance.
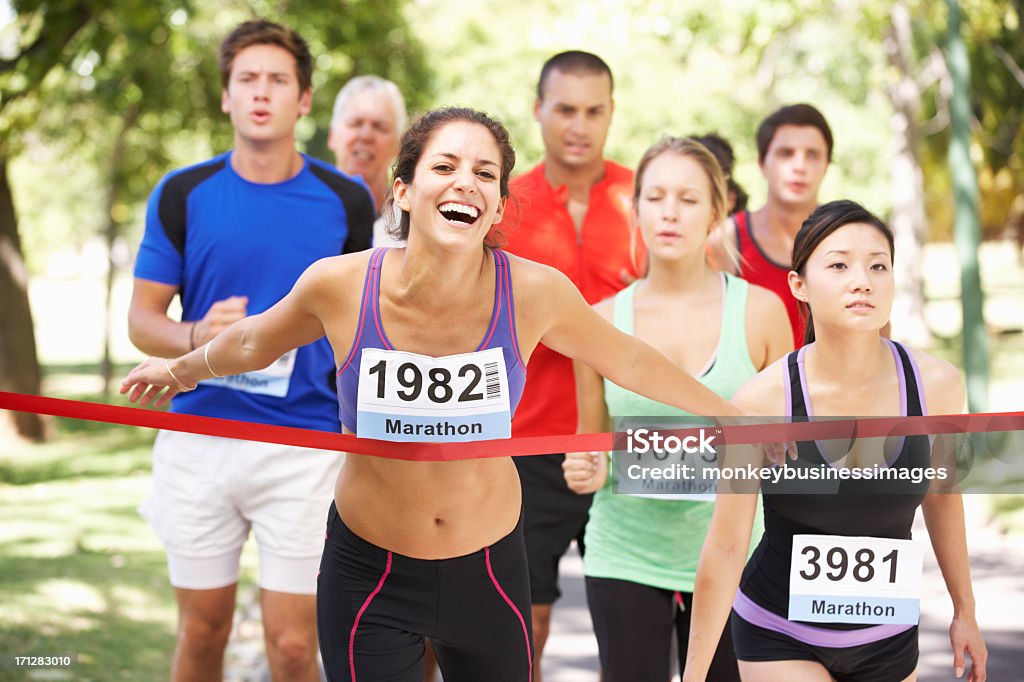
(501, 333)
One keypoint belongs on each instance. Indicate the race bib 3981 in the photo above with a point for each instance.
(838, 579)
(409, 397)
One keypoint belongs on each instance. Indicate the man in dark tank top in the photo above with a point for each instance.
(794, 150)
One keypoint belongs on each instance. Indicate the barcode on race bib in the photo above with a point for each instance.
(493, 381)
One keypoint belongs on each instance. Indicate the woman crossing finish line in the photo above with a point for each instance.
(439, 330)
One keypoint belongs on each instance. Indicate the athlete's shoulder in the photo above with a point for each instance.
(617, 186)
(529, 179)
(336, 275)
(530, 270)
(344, 265)
(337, 180)
(331, 286)
(617, 172)
(324, 169)
(213, 164)
(943, 382)
(169, 202)
(181, 181)
(766, 303)
(765, 393)
(533, 280)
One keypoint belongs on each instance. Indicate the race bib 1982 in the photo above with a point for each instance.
(838, 579)
(409, 397)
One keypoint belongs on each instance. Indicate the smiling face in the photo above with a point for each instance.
(795, 163)
(364, 139)
(847, 280)
(674, 208)
(262, 96)
(574, 117)
(454, 196)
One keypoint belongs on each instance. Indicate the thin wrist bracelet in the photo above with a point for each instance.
(182, 387)
(206, 357)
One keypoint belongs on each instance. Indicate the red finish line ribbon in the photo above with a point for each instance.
(286, 435)
(875, 427)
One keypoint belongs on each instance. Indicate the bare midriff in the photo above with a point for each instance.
(429, 510)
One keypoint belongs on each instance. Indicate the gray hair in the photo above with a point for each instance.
(361, 84)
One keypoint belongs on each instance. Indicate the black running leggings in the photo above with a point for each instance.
(634, 625)
(375, 607)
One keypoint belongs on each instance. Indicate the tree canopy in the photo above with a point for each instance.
(98, 100)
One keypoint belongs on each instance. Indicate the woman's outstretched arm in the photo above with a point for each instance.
(251, 343)
(571, 327)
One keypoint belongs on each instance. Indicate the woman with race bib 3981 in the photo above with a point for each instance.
(832, 592)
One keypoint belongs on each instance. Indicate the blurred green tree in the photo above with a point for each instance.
(43, 30)
(874, 67)
(137, 88)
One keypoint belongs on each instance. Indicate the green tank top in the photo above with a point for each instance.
(652, 541)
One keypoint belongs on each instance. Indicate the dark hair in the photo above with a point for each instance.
(825, 220)
(740, 194)
(264, 32)
(792, 115)
(722, 150)
(573, 61)
(415, 140)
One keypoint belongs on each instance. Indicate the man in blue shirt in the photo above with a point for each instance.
(230, 236)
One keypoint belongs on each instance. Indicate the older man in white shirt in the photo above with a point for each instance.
(369, 118)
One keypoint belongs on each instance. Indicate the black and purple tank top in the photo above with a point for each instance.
(879, 509)
(370, 334)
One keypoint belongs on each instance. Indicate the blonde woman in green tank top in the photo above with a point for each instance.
(642, 552)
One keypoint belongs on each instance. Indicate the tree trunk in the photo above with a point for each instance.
(908, 219)
(111, 233)
(19, 366)
(966, 225)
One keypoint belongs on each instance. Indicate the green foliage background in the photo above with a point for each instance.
(679, 68)
(143, 75)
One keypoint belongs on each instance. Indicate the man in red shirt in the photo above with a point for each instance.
(572, 212)
(794, 149)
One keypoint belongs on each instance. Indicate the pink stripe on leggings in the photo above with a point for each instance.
(497, 586)
(366, 604)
